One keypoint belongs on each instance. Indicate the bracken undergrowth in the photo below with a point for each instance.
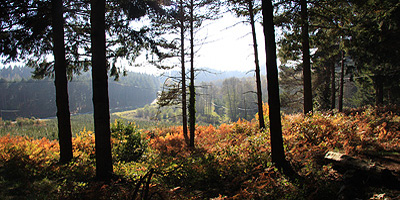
(231, 161)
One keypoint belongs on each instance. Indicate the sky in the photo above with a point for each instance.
(228, 46)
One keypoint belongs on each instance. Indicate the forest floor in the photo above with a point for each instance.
(231, 161)
(370, 171)
(390, 162)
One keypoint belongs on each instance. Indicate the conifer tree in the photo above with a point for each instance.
(178, 21)
(305, 44)
(248, 9)
(104, 168)
(277, 151)
(30, 31)
(61, 83)
(192, 93)
(374, 46)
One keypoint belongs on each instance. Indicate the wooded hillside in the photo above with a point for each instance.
(23, 96)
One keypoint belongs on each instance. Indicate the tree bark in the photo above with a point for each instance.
(104, 168)
(277, 151)
(333, 87)
(184, 111)
(308, 104)
(340, 105)
(61, 83)
(258, 76)
(192, 92)
(378, 82)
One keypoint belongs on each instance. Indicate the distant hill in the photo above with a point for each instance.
(22, 96)
(208, 75)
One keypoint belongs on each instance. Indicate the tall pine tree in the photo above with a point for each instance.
(277, 151)
(61, 83)
(104, 167)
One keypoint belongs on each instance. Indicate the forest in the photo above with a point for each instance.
(325, 126)
(25, 97)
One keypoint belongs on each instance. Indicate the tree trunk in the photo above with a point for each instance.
(341, 83)
(192, 98)
(277, 151)
(333, 87)
(184, 112)
(378, 82)
(308, 104)
(235, 102)
(104, 168)
(230, 103)
(258, 76)
(61, 83)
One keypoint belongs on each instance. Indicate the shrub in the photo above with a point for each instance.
(169, 142)
(128, 142)
(23, 157)
(26, 121)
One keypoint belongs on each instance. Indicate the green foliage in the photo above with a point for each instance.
(291, 89)
(37, 128)
(151, 116)
(364, 94)
(130, 144)
(368, 34)
(212, 118)
(26, 122)
(204, 175)
(29, 127)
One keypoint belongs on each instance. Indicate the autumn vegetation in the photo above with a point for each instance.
(231, 161)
